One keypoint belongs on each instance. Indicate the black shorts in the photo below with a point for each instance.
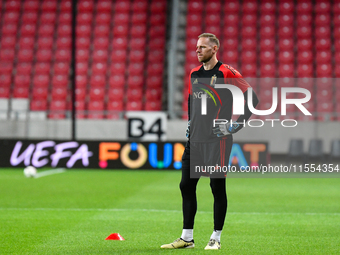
(207, 159)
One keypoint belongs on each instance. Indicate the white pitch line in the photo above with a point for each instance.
(157, 210)
(50, 172)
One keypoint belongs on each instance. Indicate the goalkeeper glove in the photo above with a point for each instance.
(225, 129)
(187, 133)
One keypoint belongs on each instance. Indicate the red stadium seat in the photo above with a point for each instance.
(323, 44)
(156, 56)
(117, 68)
(114, 108)
(12, 5)
(324, 70)
(153, 94)
(267, 44)
(158, 7)
(286, 70)
(267, 20)
(63, 55)
(286, 32)
(101, 43)
(286, 82)
(11, 17)
(38, 105)
(5, 80)
(322, 7)
(305, 70)
(59, 93)
(323, 57)
(138, 31)
(42, 68)
(286, 44)
(97, 93)
(117, 81)
(9, 29)
(83, 42)
(43, 55)
(81, 68)
(135, 81)
(65, 18)
(45, 42)
(119, 43)
(138, 18)
(137, 43)
(98, 80)
(247, 32)
(84, 18)
(304, 19)
(116, 94)
(304, 32)
(6, 68)
(229, 44)
(304, 7)
(157, 19)
(39, 93)
(118, 55)
(249, 7)
(80, 94)
(249, 70)
(137, 56)
(22, 81)
(29, 18)
(305, 57)
(153, 106)
(231, 20)
(49, 6)
(31, 6)
(158, 44)
(57, 109)
(41, 81)
(65, 30)
(213, 7)
(20, 92)
(100, 55)
(195, 6)
(286, 20)
(134, 106)
(305, 44)
(85, 6)
(121, 18)
(267, 31)
(28, 29)
(104, 7)
(99, 68)
(210, 20)
(81, 81)
(249, 19)
(7, 55)
(267, 57)
(60, 81)
(64, 43)
(134, 94)
(231, 7)
(249, 44)
(136, 69)
(154, 82)
(268, 7)
(139, 6)
(286, 57)
(103, 18)
(322, 20)
(322, 32)
(80, 109)
(8, 42)
(48, 18)
(247, 57)
(82, 55)
(268, 70)
(83, 30)
(286, 7)
(25, 55)
(101, 30)
(193, 31)
(337, 58)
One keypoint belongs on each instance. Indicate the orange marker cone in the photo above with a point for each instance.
(115, 236)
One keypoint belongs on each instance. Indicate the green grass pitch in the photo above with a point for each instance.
(73, 213)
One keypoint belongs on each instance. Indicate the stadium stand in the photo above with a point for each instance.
(120, 44)
(272, 39)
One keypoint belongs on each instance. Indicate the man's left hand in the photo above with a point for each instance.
(225, 129)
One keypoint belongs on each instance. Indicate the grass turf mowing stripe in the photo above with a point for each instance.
(156, 210)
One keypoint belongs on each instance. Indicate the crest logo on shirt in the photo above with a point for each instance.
(213, 80)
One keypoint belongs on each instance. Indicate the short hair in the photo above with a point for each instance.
(212, 38)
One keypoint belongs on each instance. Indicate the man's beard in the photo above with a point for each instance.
(206, 59)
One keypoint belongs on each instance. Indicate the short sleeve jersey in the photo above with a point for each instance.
(218, 101)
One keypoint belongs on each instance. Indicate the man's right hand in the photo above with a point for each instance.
(187, 133)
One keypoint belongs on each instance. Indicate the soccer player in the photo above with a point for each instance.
(208, 145)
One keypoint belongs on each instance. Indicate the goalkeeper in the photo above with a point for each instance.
(208, 145)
